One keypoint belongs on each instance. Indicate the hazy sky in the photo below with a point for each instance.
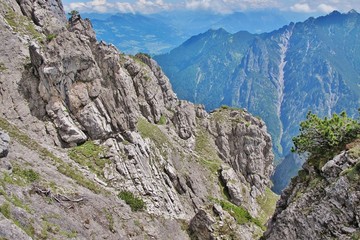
(219, 6)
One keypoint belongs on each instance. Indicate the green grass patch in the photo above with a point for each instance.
(50, 37)
(353, 173)
(149, 130)
(162, 120)
(5, 210)
(21, 176)
(90, 155)
(22, 24)
(267, 203)
(110, 219)
(135, 203)
(13, 198)
(63, 167)
(241, 215)
(207, 151)
(54, 229)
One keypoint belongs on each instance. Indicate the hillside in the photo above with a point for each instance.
(94, 144)
(278, 76)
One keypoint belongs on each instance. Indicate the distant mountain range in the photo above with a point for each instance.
(279, 76)
(161, 32)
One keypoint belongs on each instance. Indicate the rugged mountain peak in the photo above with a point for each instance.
(353, 11)
(103, 134)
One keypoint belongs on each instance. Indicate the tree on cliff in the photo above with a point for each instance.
(319, 136)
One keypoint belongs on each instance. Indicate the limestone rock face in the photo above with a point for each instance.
(250, 155)
(47, 14)
(89, 124)
(321, 204)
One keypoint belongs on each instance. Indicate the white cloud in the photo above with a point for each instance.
(124, 7)
(228, 6)
(148, 6)
(325, 8)
(301, 7)
(95, 6)
(102, 6)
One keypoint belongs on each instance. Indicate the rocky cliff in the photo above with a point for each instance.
(322, 202)
(101, 147)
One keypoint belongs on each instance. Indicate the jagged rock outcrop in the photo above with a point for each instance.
(103, 134)
(321, 203)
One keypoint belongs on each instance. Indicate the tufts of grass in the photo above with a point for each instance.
(162, 120)
(149, 130)
(353, 173)
(110, 219)
(21, 177)
(5, 210)
(63, 167)
(241, 215)
(22, 24)
(206, 150)
(135, 203)
(90, 155)
(267, 203)
(50, 37)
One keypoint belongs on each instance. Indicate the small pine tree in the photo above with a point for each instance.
(318, 136)
(73, 13)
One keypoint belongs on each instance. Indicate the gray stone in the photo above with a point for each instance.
(200, 225)
(233, 185)
(4, 144)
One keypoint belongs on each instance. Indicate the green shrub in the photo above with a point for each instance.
(73, 13)
(135, 203)
(319, 136)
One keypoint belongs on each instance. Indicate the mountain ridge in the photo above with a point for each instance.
(279, 76)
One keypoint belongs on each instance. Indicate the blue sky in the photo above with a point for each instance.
(219, 6)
